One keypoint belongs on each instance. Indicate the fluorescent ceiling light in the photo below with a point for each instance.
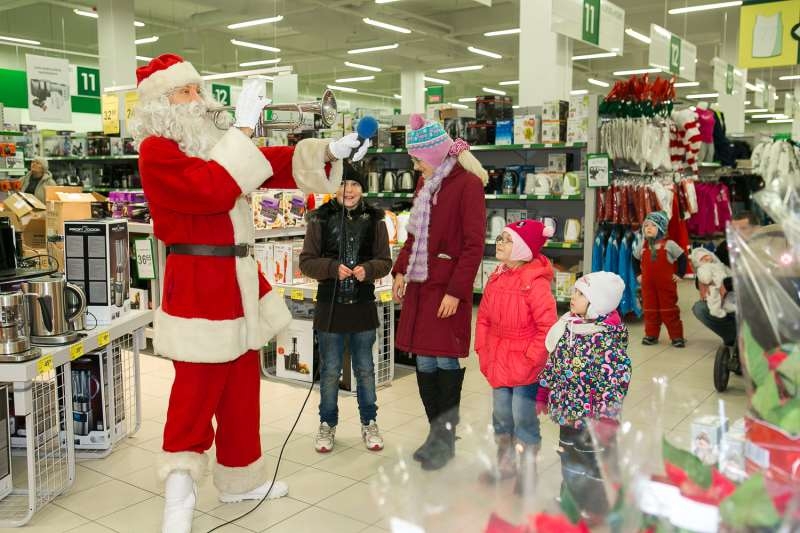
(146, 40)
(754, 88)
(595, 56)
(459, 69)
(384, 1)
(501, 32)
(385, 26)
(514, 107)
(471, 99)
(770, 115)
(245, 73)
(482, 52)
(704, 7)
(662, 31)
(759, 110)
(494, 91)
(342, 89)
(700, 96)
(138, 24)
(638, 36)
(92, 14)
(20, 41)
(257, 22)
(458, 106)
(636, 71)
(509, 82)
(357, 78)
(579, 92)
(436, 80)
(792, 77)
(398, 97)
(260, 62)
(780, 121)
(362, 67)
(257, 46)
(598, 82)
(775, 97)
(260, 77)
(144, 58)
(118, 88)
(687, 84)
(373, 49)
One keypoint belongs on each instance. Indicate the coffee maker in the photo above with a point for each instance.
(15, 342)
(291, 361)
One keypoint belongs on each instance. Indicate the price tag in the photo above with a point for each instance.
(379, 150)
(523, 196)
(386, 296)
(76, 350)
(597, 170)
(526, 146)
(566, 245)
(45, 364)
(381, 195)
(297, 294)
(103, 339)
(548, 145)
(282, 291)
(109, 105)
(541, 197)
(145, 262)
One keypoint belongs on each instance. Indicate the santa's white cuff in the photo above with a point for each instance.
(237, 154)
(308, 167)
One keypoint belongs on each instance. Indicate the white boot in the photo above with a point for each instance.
(280, 490)
(180, 497)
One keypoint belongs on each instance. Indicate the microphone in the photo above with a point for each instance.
(367, 128)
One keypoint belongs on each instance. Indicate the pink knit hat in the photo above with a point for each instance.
(528, 237)
(427, 140)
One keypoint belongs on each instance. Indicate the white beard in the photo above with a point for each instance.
(189, 125)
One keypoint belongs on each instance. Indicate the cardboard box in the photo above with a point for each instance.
(278, 208)
(706, 438)
(488, 267)
(557, 162)
(22, 204)
(564, 282)
(68, 203)
(296, 351)
(554, 131)
(579, 106)
(578, 130)
(555, 110)
(515, 215)
(285, 264)
(481, 133)
(504, 133)
(263, 253)
(528, 129)
(456, 127)
(140, 299)
(98, 261)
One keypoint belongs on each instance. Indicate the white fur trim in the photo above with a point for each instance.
(194, 463)
(308, 167)
(160, 83)
(246, 164)
(471, 164)
(273, 317)
(242, 479)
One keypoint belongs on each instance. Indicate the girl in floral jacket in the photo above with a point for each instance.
(587, 375)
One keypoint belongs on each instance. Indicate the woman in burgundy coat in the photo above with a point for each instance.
(434, 275)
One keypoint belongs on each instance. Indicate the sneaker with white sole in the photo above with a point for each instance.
(324, 440)
(372, 436)
(280, 490)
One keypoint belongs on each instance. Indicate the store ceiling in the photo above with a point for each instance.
(315, 35)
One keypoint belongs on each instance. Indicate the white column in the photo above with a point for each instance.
(545, 58)
(732, 106)
(795, 113)
(115, 36)
(412, 92)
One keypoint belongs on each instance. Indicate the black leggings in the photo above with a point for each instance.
(580, 469)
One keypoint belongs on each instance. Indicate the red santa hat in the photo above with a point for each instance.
(163, 74)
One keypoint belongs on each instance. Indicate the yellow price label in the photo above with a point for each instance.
(297, 294)
(282, 291)
(76, 350)
(103, 339)
(45, 364)
(386, 296)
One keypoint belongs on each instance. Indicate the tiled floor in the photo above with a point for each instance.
(353, 490)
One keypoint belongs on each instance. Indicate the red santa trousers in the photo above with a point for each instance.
(660, 295)
(230, 393)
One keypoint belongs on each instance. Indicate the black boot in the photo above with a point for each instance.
(428, 391)
(443, 447)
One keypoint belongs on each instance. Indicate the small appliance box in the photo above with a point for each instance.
(488, 267)
(263, 253)
(706, 437)
(554, 131)
(295, 351)
(555, 110)
(577, 130)
(564, 282)
(515, 215)
(97, 260)
(278, 208)
(285, 263)
(528, 130)
(504, 132)
(579, 106)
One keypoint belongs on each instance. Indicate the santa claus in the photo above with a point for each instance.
(217, 310)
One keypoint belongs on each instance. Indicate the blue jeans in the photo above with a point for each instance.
(724, 327)
(427, 363)
(331, 356)
(515, 413)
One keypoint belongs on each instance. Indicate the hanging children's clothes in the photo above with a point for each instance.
(629, 302)
(599, 251)
(706, 122)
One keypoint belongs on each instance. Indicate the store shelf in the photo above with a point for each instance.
(491, 148)
(553, 245)
(559, 300)
(11, 134)
(275, 233)
(111, 189)
(54, 356)
(710, 165)
(389, 195)
(13, 171)
(308, 291)
(139, 227)
(508, 197)
(94, 158)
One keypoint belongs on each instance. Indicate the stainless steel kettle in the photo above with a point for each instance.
(389, 181)
(406, 181)
(47, 304)
(374, 181)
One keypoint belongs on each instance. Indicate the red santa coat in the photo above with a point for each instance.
(213, 309)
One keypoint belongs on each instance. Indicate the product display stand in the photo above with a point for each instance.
(43, 398)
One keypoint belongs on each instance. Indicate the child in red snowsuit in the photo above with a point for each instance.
(656, 260)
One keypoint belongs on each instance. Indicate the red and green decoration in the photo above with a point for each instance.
(639, 97)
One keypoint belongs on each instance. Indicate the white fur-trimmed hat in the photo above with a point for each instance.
(163, 74)
(603, 290)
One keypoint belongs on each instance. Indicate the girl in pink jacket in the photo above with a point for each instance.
(516, 312)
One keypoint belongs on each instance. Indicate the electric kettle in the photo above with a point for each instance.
(572, 230)
(530, 183)
(572, 184)
(550, 222)
(389, 181)
(510, 179)
(497, 222)
(374, 181)
(406, 181)
(542, 185)
(49, 321)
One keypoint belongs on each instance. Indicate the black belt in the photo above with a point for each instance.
(236, 250)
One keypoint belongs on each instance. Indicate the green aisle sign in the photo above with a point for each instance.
(221, 93)
(591, 21)
(88, 81)
(729, 81)
(434, 95)
(675, 55)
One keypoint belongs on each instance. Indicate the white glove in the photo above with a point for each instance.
(251, 104)
(342, 148)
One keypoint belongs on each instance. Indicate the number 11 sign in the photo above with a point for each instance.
(596, 22)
